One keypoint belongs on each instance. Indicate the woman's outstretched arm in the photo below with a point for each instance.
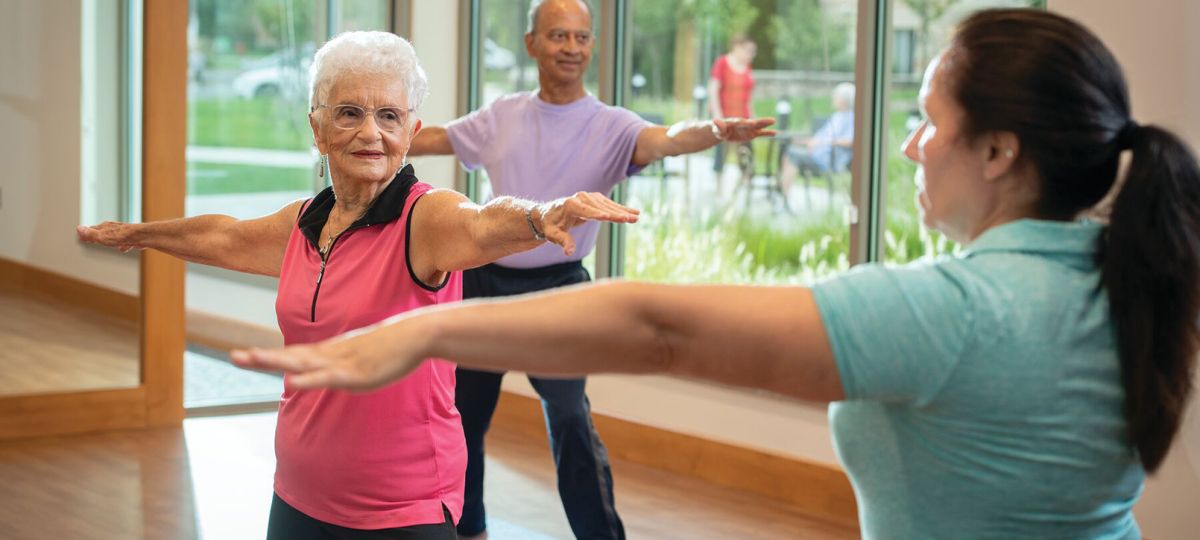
(769, 338)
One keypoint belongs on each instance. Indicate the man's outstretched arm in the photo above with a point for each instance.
(431, 141)
(657, 142)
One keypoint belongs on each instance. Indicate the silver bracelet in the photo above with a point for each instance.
(529, 219)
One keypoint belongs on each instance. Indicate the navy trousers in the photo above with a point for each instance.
(584, 479)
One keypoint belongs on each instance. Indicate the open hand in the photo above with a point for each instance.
(740, 130)
(361, 360)
(558, 217)
(110, 233)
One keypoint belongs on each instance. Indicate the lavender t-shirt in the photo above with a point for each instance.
(536, 150)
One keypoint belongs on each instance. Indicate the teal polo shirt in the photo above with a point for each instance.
(983, 391)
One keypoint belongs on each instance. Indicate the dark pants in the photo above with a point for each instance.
(584, 480)
(287, 523)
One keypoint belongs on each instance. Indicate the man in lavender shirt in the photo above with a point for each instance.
(541, 145)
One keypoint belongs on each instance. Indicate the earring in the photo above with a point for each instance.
(321, 167)
(1008, 153)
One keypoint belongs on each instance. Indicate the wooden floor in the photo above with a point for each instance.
(49, 346)
(212, 479)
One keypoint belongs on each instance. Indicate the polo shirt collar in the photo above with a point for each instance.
(1040, 236)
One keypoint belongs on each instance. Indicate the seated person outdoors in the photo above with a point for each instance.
(828, 150)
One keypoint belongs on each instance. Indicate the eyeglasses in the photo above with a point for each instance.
(348, 116)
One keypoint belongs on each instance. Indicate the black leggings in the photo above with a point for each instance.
(287, 523)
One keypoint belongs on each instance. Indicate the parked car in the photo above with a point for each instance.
(282, 73)
(286, 56)
(285, 81)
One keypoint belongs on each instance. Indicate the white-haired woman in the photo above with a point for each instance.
(387, 464)
(828, 150)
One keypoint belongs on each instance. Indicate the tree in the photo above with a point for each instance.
(807, 38)
(927, 12)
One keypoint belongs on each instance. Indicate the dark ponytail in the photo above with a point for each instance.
(1151, 269)
(1051, 82)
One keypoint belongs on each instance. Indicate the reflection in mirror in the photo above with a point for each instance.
(50, 344)
(68, 312)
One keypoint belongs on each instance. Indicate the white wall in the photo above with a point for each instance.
(40, 145)
(435, 36)
(1158, 46)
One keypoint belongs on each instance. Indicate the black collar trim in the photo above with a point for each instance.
(388, 207)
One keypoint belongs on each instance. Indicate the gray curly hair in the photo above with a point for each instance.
(360, 53)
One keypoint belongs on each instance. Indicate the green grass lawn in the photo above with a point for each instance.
(223, 178)
(271, 123)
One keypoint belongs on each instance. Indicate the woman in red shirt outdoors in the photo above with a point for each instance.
(729, 88)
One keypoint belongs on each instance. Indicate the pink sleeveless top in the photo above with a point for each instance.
(388, 458)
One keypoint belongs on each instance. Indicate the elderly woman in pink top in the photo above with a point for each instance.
(386, 464)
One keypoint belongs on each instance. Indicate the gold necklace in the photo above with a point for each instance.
(331, 237)
(328, 244)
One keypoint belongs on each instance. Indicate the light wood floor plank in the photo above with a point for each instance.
(47, 345)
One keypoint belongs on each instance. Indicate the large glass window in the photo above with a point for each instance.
(249, 142)
(921, 28)
(777, 210)
(249, 153)
(771, 211)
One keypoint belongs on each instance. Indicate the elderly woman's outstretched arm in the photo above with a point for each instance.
(255, 246)
(449, 232)
(769, 338)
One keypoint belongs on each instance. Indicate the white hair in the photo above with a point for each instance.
(366, 53)
(845, 92)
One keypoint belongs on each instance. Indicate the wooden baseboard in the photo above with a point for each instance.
(76, 412)
(21, 276)
(214, 331)
(816, 489)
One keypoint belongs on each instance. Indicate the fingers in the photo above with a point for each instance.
(568, 213)
(108, 233)
(565, 214)
(742, 130)
(307, 366)
(291, 359)
(87, 234)
(595, 206)
(556, 232)
(252, 359)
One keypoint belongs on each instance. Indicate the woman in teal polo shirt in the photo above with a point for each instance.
(1019, 389)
